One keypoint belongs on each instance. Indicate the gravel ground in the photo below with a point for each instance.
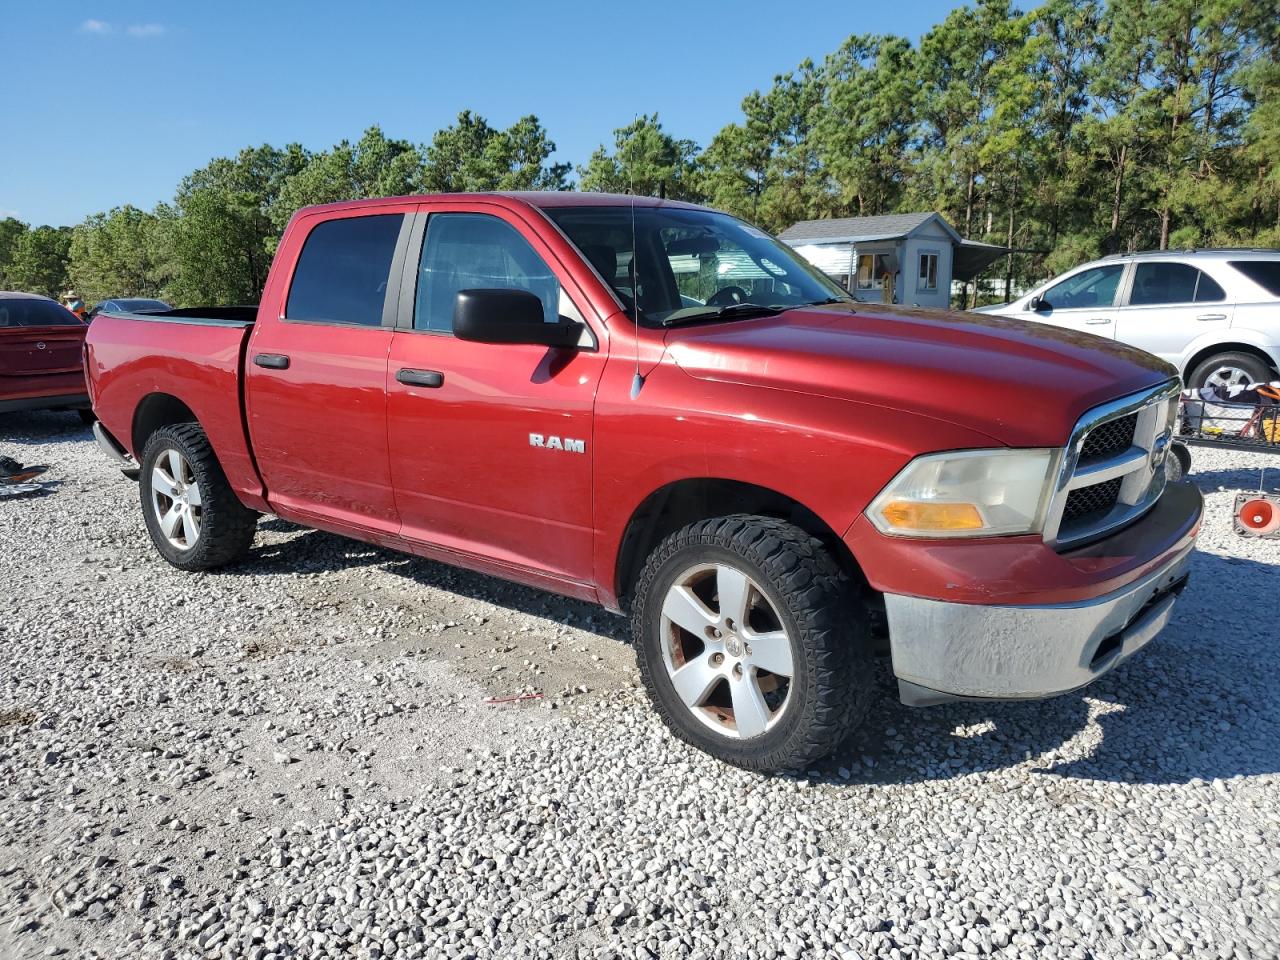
(295, 758)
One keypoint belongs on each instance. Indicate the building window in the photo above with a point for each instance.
(872, 269)
(928, 271)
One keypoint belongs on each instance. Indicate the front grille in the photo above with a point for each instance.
(1109, 438)
(1087, 502)
(1109, 477)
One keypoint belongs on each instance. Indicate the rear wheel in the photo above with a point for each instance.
(1230, 370)
(194, 517)
(751, 642)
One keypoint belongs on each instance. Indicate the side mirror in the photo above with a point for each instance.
(508, 316)
(1035, 305)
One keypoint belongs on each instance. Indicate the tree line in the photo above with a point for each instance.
(1076, 128)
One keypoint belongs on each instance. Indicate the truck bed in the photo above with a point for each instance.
(142, 356)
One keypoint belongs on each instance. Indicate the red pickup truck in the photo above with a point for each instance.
(659, 408)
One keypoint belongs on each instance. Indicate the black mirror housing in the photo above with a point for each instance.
(1035, 305)
(509, 316)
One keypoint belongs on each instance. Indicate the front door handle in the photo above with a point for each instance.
(1097, 321)
(272, 361)
(1212, 316)
(420, 378)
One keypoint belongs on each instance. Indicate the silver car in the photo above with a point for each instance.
(1213, 314)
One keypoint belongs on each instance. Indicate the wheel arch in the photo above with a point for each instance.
(157, 410)
(1202, 354)
(682, 502)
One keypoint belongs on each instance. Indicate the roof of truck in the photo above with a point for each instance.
(533, 198)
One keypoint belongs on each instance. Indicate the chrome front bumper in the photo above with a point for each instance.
(946, 651)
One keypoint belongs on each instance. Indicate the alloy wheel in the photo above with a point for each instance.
(726, 650)
(175, 498)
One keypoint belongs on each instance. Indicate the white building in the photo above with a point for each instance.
(909, 258)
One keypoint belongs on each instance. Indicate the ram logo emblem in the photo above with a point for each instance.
(566, 444)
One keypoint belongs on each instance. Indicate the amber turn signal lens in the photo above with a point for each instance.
(909, 515)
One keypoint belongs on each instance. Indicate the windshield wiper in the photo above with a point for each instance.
(819, 303)
(694, 314)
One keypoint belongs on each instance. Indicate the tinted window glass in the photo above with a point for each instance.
(342, 273)
(1095, 287)
(1155, 283)
(1265, 273)
(471, 251)
(1207, 289)
(20, 312)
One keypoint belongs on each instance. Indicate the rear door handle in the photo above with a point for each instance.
(1097, 321)
(1212, 316)
(420, 378)
(272, 361)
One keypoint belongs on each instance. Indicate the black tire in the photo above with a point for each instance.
(86, 416)
(1178, 464)
(226, 526)
(814, 602)
(1258, 370)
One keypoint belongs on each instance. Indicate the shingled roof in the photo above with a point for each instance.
(855, 229)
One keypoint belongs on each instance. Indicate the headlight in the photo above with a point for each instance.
(967, 493)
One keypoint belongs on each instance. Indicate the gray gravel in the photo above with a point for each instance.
(295, 758)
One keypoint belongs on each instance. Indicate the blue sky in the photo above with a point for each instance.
(112, 103)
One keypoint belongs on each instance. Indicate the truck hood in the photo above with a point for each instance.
(1023, 384)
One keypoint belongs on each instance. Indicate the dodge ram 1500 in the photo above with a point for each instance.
(659, 408)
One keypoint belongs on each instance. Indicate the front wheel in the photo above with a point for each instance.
(751, 642)
(194, 517)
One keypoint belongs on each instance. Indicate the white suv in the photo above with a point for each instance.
(1213, 314)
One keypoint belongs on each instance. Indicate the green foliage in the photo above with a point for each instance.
(1076, 128)
(646, 161)
(38, 262)
(473, 156)
(118, 254)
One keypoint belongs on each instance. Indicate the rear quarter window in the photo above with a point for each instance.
(343, 270)
(1265, 273)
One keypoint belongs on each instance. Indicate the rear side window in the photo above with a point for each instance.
(1265, 273)
(343, 271)
(473, 251)
(1159, 283)
(20, 312)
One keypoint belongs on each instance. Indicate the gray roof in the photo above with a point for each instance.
(15, 295)
(852, 229)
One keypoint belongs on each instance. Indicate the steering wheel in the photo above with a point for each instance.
(727, 295)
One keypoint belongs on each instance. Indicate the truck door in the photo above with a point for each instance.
(316, 375)
(491, 444)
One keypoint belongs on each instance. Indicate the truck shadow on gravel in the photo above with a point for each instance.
(1194, 705)
(314, 551)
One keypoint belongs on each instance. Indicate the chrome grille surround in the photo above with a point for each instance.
(1140, 467)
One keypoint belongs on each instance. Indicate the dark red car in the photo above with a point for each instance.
(41, 343)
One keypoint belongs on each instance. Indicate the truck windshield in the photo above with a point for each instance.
(691, 265)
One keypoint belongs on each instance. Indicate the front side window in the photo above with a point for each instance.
(343, 271)
(474, 251)
(1161, 283)
(928, 271)
(21, 312)
(685, 265)
(1095, 287)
